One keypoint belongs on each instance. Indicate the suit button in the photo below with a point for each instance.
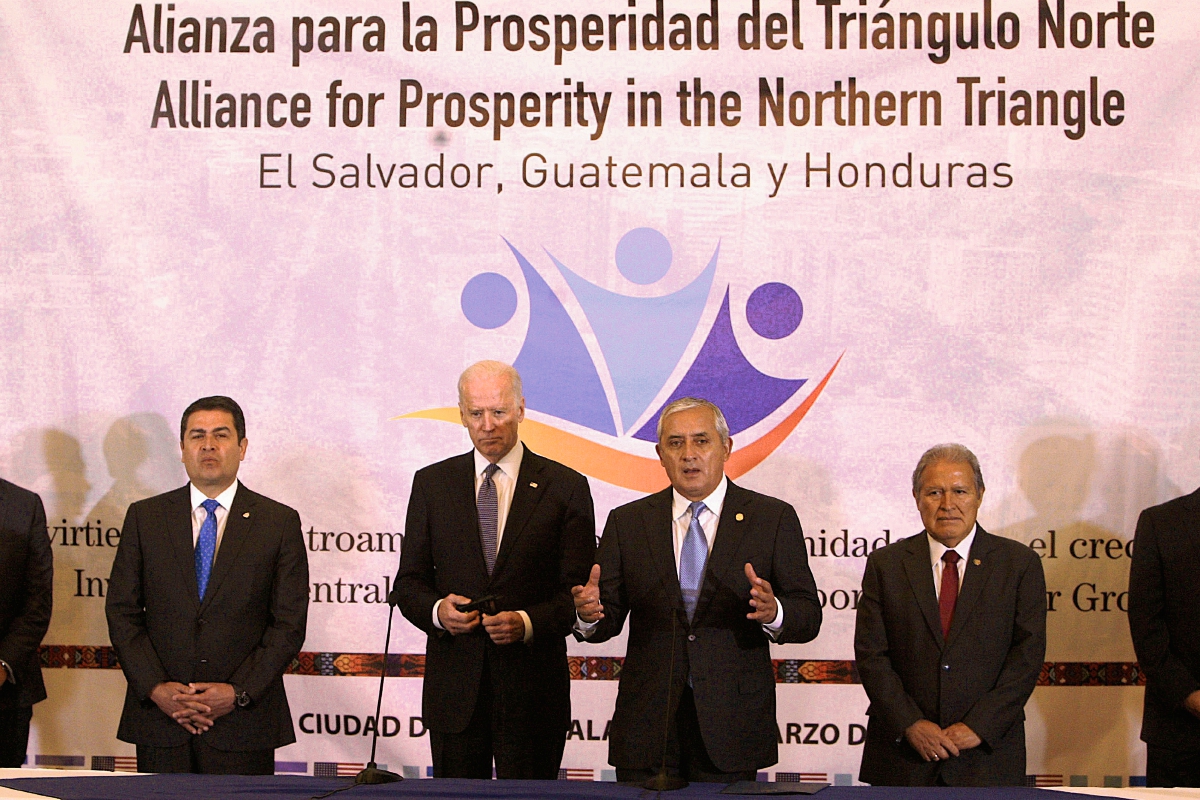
(946, 667)
(691, 637)
(200, 622)
(204, 661)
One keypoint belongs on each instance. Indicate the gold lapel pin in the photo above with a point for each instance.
(976, 562)
(247, 516)
(532, 485)
(739, 517)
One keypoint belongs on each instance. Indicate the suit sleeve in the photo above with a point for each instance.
(28, 626)
(284, 636)
(793, 584)
(555, 617)
(1003, 706)
(890, 703)
(1166, 674)
(613, 594)
(125, 607)
(416, 590)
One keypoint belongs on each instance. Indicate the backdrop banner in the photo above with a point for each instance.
(862, 228)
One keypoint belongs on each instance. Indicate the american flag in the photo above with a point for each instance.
(336, 769)
(576, 774)
(1043, 780)
(801, 777)
(115, 763)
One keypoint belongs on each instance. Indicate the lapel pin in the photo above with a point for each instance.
(532, 485)
(739, 517)
(976, 562)
(247, 516)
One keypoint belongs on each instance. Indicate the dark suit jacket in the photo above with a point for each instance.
(1164, 618)
(980, 675)
(547, 547)
(247, 630)
(728, 656)
(26, 593)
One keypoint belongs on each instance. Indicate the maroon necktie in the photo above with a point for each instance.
(949, 594)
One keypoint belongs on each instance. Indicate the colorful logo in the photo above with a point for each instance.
(613, 392)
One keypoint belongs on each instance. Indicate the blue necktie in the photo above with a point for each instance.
(489, 515)
(206, 545)
(692, 558)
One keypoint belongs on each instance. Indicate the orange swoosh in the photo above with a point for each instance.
(627, 470)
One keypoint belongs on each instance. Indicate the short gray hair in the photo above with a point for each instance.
(685, 403)
(952, 453)
(490, 369)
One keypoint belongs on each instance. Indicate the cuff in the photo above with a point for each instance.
(585, 629)
(771, 629)
(437, 623)
(528, 626)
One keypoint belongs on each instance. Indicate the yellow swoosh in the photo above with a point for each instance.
(626, 469)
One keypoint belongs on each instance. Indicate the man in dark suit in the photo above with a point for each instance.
(709, 574)
(207, 606)
(1164, 618)
(26, 595)
(948, 670)
(499, 522)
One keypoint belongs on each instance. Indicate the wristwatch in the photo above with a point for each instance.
(242, 698)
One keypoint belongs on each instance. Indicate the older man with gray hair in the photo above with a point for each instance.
(494, 541)
(709, 575)
(950, 637)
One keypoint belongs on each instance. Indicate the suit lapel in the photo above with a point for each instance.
(528, 490)
(920, 578)
(657, 523)
(179, 533)
(731, 529)
(239, 527)
(462, 493)
(979, 566)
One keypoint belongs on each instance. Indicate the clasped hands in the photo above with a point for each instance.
(504, 627)
(765, 608)
(934, 743)
(195, 706)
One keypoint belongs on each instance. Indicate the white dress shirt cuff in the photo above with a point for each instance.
(528, 626)
(771, 629)
(437, 623)
(585, 629)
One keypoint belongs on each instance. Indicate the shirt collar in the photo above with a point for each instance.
(225, 498)
(714, 502)
(937, 549)
(510, 464)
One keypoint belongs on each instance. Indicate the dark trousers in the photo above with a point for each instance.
(198, 757)
(518, 751)
(14, 735)
(1172, 767)
(686, 754)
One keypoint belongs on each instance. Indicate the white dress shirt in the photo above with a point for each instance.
(225, 498)
(937, 550)
(505, 480)
(710, 519)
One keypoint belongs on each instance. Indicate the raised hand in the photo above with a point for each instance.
(587, 598)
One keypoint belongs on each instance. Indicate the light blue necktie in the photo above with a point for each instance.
(489, 516)
(206, 545)
(692, 558)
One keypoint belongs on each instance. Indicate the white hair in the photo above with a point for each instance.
(490, 369)
(685, 403)
(951, 453)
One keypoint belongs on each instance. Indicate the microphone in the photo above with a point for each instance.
(664, 782)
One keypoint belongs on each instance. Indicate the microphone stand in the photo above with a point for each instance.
(371, 774)
(664, 782)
